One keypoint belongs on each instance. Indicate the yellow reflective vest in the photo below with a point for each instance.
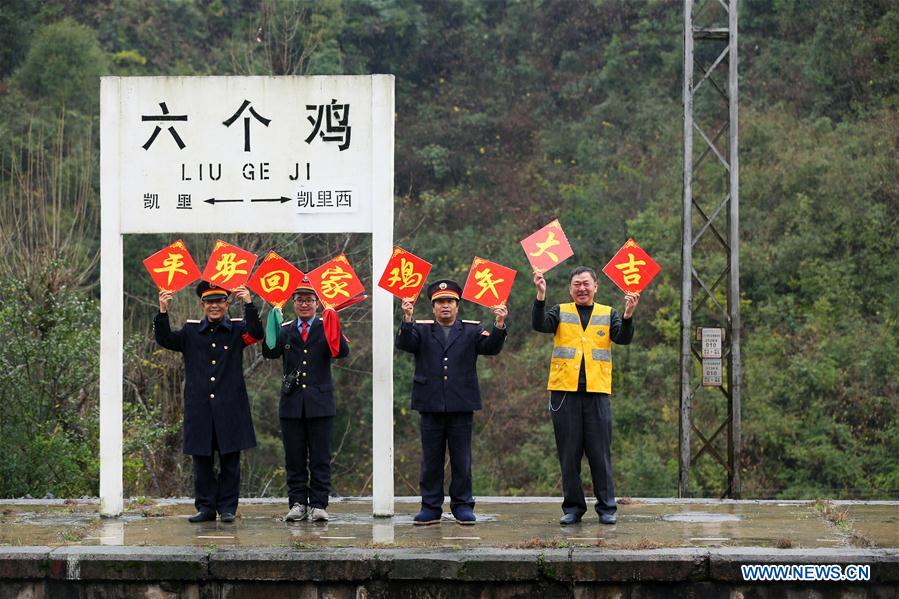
(572, 344)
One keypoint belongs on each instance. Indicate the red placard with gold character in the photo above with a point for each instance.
(488, 283)
(172, 267)
(275, 280)
(631, 268)
(405, 274)
(335, 282)
(229, 266)
(548, 247)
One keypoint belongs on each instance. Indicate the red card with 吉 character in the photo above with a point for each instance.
(172, 268)
(548, 247)
(275, 280)
(405, 274)
(631, 268)
(229, 266)
(335, 282)
(488, 283)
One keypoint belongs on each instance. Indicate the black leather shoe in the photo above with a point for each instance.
(202, 517)
(227, 517)
(608, 518)
(569, 519)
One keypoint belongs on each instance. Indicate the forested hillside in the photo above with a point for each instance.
(509, 113)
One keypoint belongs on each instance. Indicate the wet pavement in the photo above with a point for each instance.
(502, 522)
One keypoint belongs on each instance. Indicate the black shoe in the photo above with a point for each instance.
(202, 517)
(427, 517)
(608, 518)
(228, 517)
(569, 519)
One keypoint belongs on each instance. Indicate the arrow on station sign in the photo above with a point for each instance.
(282, 199)
(214, 201)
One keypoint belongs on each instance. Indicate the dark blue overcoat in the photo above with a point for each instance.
(214, 389)
(446, 377)
(314, 395)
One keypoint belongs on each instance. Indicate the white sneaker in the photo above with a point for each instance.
(297, 512)
(318, 515)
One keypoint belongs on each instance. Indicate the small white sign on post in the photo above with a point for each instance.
(711, 372)
(244, 155)
(711, 342)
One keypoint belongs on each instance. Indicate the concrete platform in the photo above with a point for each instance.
(659, 548)
(502, 523)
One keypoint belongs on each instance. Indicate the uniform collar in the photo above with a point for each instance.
(300, 322)
(225, 322)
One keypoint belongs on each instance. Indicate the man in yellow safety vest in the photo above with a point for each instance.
(580, 385)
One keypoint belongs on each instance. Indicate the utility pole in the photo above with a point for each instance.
(710, 321)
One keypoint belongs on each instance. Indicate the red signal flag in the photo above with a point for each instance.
(335, 282)
(405, 274)
(229, 266)
(548, 247)
(172, 268)
(631, 268)
(488, 283)
(275, 280)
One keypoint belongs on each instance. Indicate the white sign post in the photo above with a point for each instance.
(244, 155)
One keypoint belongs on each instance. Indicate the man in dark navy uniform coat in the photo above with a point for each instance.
(307, 408)
(216, 405)
(445, 392)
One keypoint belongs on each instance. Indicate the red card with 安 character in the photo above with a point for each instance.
(335, 282)
(548, 247)
(405, 274)
(275, 280)
(631, 268)
(172, 268)
(488, 283)
(229, 266)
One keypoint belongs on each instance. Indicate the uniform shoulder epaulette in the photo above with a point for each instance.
(191, 321)
(237, 320)
(287, 324)
(472, 321)
(424, 322)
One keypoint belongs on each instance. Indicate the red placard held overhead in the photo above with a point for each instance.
(229, 266)
(275, 280)
(335, 282)
(488, 283)
(548, 247)
(631, 268)
(172, 267)
(405, 274)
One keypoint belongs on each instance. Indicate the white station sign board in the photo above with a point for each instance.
(246, 154)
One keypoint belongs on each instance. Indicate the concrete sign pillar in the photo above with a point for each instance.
(244, 155)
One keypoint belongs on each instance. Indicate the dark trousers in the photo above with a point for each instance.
(582, 423)
(307, 458)
(217, 494)
(440, 430)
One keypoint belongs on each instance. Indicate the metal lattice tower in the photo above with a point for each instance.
(711, 249)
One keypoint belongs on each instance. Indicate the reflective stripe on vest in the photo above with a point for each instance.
(573, 346)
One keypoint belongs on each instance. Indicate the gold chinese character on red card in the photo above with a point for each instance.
(405, 274)
(275, 280)
(229, 266)
(548, 247)
(172, 268)
(488, 283)
(335, 282)
(631, 268)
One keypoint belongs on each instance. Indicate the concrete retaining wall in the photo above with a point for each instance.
(414, 573)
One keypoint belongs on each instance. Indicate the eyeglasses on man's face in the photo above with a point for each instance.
(304, 300)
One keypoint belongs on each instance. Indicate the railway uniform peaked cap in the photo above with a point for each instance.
(211, 291)
(444, 288)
